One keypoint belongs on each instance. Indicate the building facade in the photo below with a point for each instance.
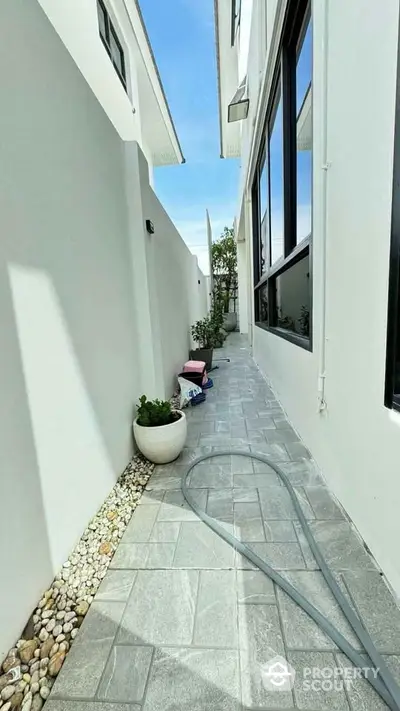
(318, 232)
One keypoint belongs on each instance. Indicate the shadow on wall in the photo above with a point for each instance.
(68, 376)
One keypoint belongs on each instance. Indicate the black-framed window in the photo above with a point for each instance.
(235, 19)
(282, 189)
(392, 384)
(111, 42)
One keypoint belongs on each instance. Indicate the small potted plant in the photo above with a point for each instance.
(203, 334)
(160, 431)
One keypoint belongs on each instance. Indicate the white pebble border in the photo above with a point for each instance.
(30, 668)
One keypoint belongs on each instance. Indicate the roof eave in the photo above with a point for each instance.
(156, 82)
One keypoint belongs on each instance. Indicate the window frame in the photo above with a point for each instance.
(391, 398)
(298, 16)
(110, 30)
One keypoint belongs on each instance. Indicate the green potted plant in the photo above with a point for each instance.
(159, 431)
(203, 334)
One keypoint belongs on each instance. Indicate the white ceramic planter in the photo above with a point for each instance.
(161, 444)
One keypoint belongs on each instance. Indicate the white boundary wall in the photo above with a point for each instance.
(83, 288)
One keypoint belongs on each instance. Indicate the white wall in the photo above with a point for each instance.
(173, 279)
(77, 24)
(77, 336)
(357, 441)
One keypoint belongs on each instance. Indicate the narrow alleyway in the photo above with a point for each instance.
(181, 622)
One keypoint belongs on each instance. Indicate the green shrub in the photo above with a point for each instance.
(154, 413)
(203, 333)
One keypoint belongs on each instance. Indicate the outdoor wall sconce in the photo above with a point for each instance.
(238, 108)
(150, 227)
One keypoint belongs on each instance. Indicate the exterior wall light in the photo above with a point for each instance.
(238, 108)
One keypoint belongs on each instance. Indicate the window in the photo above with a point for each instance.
(111, 42)
(392, 385)
(282, 189)
(235, 19)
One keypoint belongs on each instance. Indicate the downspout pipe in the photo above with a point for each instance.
(324, 189)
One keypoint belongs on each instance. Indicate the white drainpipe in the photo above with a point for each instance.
(325, 167)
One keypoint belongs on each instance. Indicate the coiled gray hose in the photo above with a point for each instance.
(384, 683)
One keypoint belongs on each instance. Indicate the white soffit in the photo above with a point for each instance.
(157, 124)
(227, 71)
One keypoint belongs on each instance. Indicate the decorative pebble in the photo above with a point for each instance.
(6, 706)
(82, 608)
(56, 663)
(16, 700)
(63, 606)
(7, 692)
(27, 650)
(50, 625)
(37, 703)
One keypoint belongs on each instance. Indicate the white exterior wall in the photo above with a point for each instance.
(356, 441)
(76, 22)
(75, 307)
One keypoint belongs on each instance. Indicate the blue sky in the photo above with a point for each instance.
(183, 41)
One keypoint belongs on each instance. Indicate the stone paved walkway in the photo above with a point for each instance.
(181, 622)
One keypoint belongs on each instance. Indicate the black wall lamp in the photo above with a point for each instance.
(150, 227)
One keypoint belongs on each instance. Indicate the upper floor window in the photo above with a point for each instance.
(111, 42)
(235, 21)
(282, 189)
(392, 386)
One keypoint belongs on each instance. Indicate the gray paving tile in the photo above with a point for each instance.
(310, 561)
(160, 555)
(125, 675)
(65, 705)
(275, 452)
(281, 436)
(216, 615)
(245, 495)
(195, 680)
(165, 532)
(260, 423)
(303, 473)
(311, 695)
(220, 504)
(323, 503)
(280, 532)
(253, 587)
(130, 555)
(282, 556)
(301, 632)
(86, 660)
(377, 608)
(241, 465)
(341, 546)
(82, 670)
(248, 522)
(175, 508)
(116, 585)
(259, 480)
(360, 693)
(161, 608)
(199, 547)
(260, 640)
(297, 451)
(141, 524)
(164, 482)
(276, 504)
(101, 622)
(210, 475)
(151, 497)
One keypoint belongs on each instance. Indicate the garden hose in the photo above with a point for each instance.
(378, 674)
